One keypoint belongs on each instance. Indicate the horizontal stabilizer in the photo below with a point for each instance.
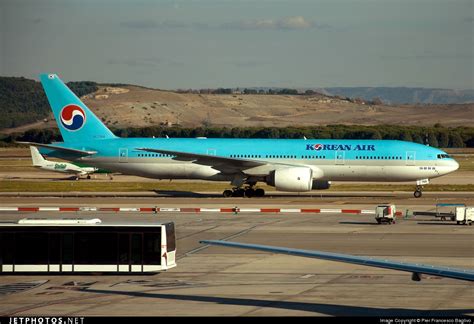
(60, 148)
(416, 269)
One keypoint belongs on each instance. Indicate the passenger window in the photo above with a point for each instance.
(136, 249)
(31, 248)
(95, 248)
(152, 248)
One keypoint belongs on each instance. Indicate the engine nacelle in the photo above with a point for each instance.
(296, 179)
(321, 184)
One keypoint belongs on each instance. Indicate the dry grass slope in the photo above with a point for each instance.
(133, 106)
(145, 107)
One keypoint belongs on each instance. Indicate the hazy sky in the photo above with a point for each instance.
(217, 43)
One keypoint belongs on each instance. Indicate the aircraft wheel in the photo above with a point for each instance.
(249, 193)
(417, 194)
(238, 193)
(227, 193)
(88, 177)
(259, 192)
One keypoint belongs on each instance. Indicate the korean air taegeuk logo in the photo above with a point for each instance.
(72, 117)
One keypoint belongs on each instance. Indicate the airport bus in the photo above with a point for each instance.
(85, 246)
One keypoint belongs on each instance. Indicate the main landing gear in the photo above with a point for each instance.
(418, 192)
(244, 192)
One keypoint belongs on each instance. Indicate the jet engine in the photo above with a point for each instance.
(295, 179)
(321, 184)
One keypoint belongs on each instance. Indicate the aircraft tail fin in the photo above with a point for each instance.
(38, 159)
(75, 121)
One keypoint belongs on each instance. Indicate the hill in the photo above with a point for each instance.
(140, 107)
(402, 95)
(23, 101)
(121, 106)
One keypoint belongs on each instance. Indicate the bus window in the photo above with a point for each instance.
(136, 249)
(152, 248)
(95, 248)
(170, 237)
(31, 248)
(67, 248)
(54, 248)
(7, 244)
(124, 248)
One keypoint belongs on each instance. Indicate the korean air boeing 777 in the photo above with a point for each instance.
(287, 164)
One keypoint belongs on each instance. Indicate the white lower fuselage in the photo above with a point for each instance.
(349, 170)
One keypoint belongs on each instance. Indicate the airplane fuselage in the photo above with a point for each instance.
(65, 168)
(335, 160)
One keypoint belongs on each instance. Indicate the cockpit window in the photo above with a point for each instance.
(443, 156)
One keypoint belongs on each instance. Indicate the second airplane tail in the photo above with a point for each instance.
(38, 159)
(75, 121)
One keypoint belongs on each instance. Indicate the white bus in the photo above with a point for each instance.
(86, 245)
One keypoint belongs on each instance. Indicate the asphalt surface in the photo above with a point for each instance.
(212, 281)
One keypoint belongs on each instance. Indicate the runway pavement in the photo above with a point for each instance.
(211, 281)
(354, 200)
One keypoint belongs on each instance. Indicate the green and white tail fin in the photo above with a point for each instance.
(38, 159)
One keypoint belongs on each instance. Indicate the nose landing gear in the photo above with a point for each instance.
(418, 192)
(419, 187)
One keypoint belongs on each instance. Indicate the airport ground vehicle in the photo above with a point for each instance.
(385, 214)
(464, 215)
(459, 213)
(86, 245)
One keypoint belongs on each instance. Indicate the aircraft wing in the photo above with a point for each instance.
(414, 268)
(217, 162)
(60, 148)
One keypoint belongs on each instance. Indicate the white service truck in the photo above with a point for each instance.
(464, 215)
(385, 214)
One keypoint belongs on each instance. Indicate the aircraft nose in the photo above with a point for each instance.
(454, 165)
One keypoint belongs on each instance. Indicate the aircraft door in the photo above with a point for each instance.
(410, 158)
(123, 155)
(340, 157)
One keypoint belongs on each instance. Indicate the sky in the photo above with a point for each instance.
(223, 43)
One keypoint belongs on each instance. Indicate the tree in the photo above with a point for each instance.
(417, 138)
(377, 101)
(376, 135)
(432, 140)
(406, 136)
(455, 140)
(443, 139)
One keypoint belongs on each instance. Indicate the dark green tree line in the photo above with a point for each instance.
(433, 136)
